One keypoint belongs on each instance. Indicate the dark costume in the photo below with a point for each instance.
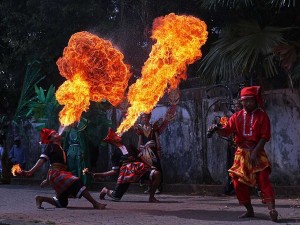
(130, 171)
(149, 146)
(63, 182)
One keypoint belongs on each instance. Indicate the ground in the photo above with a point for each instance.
(17, 207)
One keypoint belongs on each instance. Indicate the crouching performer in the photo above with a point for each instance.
(130, 170)
(64, 183)
(251, 166)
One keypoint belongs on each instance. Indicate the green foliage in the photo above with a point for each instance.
(282, 3)
(32, 77)
(213, 4)
(246, 34)
(37, 29)
(242, 49)
(44, 108)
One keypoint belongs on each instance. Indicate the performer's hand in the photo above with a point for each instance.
(211, 130)
(86, 171)
(26, 173)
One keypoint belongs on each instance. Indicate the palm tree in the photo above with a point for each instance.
(247, 41)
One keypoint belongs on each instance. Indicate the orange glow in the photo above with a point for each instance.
(16, 170)
(178, 43)
(224, 121)
(94, 70)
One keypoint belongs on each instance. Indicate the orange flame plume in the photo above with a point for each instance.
(94, 70)
(178, 43)
(16, 170)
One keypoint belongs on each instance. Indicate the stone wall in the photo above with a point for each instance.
(283, 107)
(189, 157)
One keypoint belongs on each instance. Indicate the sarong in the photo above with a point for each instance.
(243, 169)
(132, 172)
(60, 179)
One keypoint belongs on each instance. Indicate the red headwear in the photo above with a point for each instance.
(45, 134)
(253, 91)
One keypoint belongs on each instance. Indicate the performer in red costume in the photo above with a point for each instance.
(129, 169)
(63, 182)
(251, 166)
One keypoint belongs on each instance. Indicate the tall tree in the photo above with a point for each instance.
(247, 34)
(39, 30)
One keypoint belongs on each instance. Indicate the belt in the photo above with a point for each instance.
(59, 166)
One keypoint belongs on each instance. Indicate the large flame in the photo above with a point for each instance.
(178, 43)
(94, 70)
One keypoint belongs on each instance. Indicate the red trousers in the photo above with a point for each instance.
(243, 191)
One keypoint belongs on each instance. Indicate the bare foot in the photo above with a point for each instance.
(98, 205)
(247, 214)
(153, 200)
(274, 215)
(38, 202)
(103, 192)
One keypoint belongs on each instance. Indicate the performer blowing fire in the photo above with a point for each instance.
(130, 170)
(63, 182)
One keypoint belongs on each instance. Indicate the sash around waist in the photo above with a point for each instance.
(244, 148)
(59, 166)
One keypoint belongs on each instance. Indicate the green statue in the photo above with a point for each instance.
(77, 152)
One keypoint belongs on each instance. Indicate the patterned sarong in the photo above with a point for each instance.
(243, 169)
(60, 179)
(132, 172)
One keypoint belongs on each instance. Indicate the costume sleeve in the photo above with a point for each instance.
(265, 131)
(230, 127)
(46, 153)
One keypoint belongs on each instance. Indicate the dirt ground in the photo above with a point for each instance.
(17, 206)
